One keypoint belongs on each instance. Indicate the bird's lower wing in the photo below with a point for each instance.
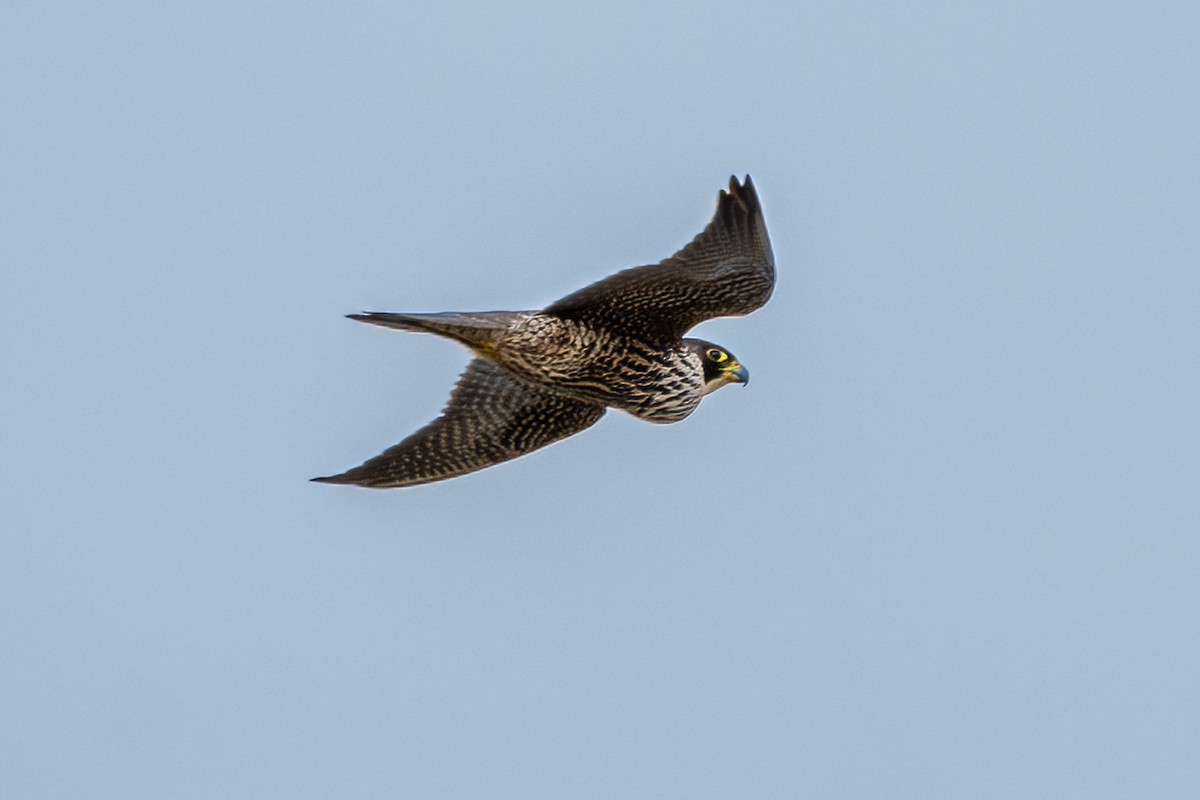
(491, 417)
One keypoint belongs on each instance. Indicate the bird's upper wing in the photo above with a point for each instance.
(491, 417)
(727, 270)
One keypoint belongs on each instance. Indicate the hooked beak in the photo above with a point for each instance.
(736, 373)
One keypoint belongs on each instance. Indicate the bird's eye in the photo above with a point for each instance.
(716, 355)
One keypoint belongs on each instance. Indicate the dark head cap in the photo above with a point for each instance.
(720, 365)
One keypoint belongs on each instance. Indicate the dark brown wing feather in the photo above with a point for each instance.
(727, 270)
(491, 417)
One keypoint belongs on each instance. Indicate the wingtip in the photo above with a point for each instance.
(330, 479)
(351, 477)
(744, 193)
(366, 479)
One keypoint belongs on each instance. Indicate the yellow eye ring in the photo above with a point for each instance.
(717, 355)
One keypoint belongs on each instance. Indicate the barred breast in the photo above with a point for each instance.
(598, 365)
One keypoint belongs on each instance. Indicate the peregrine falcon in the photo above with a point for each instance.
(540, 376)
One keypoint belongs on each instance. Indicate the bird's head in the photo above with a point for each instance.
(720, 366)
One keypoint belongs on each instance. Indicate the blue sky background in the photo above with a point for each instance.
(944, 545)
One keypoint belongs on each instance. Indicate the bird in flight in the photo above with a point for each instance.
(540, 376)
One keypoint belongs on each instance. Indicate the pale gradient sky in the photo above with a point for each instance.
(945, 545)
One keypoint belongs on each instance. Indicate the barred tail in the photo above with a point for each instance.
(478, 330)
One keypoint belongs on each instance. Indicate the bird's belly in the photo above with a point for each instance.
(654, 398)
(598, 367)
